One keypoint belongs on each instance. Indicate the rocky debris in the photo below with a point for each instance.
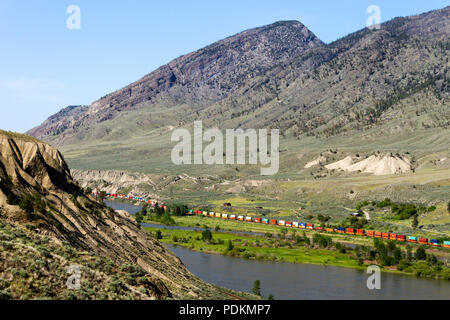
(315, 162)
(375, 164)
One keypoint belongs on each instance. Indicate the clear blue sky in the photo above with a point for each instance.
(44, 66)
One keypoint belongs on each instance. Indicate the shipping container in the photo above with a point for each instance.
(257, 220)
(248, 219)
(446, 244)
(370, 233)
(224, 216)
(378, 234)
(434, 242)
(350, 231)
(281, 223)
(340, 230)
(241, 218)
(302, 225)
(295, 224)
(330, 230)
(218, 215)
(401, 237)
(233, 217)
(273, 221)
(385, 235)
(310, 226)
(265, 221)
(319, 228)
(212, 214)
(205, 213)
(392, 236)
(423, 240)
(288, 224)
(412, 239)
(360, 232)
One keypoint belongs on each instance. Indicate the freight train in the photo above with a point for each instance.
(295, 224)
(309, 226)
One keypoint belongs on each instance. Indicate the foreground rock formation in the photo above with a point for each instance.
(42, 206)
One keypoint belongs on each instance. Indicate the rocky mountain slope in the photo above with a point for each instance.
(199, 78)
(282, 76)
(47, 218)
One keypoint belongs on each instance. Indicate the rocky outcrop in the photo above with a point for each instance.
(36, 189)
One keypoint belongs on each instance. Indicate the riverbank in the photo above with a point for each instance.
(298, 249)
(254, 248)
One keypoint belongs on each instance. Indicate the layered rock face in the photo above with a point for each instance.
(36, 188)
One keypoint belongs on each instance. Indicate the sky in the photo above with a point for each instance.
(45, 66)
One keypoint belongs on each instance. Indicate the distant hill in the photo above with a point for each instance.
(371, 88)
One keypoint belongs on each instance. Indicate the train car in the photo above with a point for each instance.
(340, 230)
(295, 224)
(434, 242)
(288, 224)
(350, 231)
(257, 220)
(281, 223)
(446, 244)
(329, 230)
(310, 226)
(224, 216)
(401, 237)
(378, 234)
(360, 232)
(423, 240)
(241, 218)
(273, 222)
(392, 236)
(370, 233)
(248, 219)
(218, 215)
(319, 228)
(302, 225)
(412, 239)
(232, 217)
(265, 221)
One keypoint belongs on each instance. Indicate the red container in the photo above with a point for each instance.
(401, 238)
(378, 234)
(393, 236)
(385, 235)
(423, 240)
(319, 228)
(274, 222)
(258, 220)
(360, 232)
(350, 231)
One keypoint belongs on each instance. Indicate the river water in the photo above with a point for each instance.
(301, 281)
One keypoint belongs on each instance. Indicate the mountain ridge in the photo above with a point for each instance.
(391, 80)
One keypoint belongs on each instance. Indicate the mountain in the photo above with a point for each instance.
(369, 90)
(48, 223)
(199, 78)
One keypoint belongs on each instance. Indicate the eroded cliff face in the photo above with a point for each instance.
(37, 190)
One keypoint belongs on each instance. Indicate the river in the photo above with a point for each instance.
(301, 281)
